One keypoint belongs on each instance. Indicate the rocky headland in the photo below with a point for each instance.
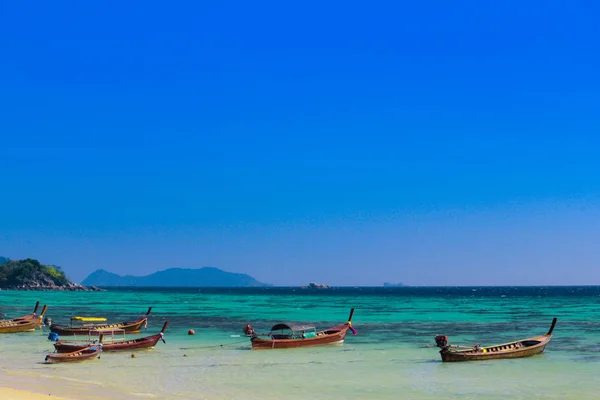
(74, 287)
(30, 274)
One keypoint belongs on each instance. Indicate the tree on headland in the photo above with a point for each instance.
(31, 272)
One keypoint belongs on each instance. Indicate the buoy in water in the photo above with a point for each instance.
(191, 332)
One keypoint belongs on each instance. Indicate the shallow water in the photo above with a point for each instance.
(391, 357)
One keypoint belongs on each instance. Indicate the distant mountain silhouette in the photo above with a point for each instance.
(174, 277)
(4, 260)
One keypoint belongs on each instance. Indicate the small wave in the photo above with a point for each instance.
(149, 395)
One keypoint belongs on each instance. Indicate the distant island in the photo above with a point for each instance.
(314, 285)
(174, 277)
(388, 284)
(30, 274)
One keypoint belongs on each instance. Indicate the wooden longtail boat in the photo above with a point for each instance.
(24, 317)
(91, 324)
(112, 343)
(286, 336)
(517, 349)
(23, 324)
(87, 353)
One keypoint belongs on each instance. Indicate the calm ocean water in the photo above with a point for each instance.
(391, 357)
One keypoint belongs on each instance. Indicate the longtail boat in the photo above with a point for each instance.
(112, 342)
(82, 325)
(517, 349)
(24, 317)
(23, 324)
(84, 354)
(289, 335)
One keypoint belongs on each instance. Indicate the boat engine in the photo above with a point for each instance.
(248, 331)
(441, 341)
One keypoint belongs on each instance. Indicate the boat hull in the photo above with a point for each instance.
(129, 327)
(113, 344)
(517, 349)
(25, 323)
(475, 356)
(322, 338)
(77, 356)
(21, 325)
(127, 345)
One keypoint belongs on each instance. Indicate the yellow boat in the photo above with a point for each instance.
(23, 324)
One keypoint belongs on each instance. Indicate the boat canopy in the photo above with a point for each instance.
(107, 332)
(88, 319)
(292, 327)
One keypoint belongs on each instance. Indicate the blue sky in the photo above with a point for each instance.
(430, 143)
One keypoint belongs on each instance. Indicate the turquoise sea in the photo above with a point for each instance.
(392, 356)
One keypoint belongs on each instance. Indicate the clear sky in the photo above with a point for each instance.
(348, 143)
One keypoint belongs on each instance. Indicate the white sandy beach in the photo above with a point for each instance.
(17, 394)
